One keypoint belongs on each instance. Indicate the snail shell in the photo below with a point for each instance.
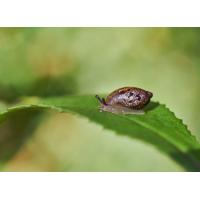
(127, 100)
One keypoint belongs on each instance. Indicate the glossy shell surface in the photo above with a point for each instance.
(130, 97)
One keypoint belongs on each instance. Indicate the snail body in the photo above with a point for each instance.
(126, 100)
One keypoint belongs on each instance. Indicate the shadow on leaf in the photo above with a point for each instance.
(151, 106)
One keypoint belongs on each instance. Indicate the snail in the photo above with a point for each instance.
(126, 100)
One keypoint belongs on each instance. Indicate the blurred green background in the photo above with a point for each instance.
(57, 61)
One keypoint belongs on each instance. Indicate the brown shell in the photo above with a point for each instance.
(131, 97)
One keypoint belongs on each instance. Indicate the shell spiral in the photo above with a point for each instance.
(130, 97)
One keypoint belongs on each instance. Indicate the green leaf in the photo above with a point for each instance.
(158, 127)
(17, 128)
